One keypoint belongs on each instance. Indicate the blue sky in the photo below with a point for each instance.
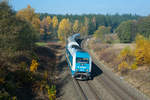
(140, 7)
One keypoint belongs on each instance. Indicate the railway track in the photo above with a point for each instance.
(111, 85)
(85, 90)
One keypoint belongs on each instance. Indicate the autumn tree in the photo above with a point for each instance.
(101, 32)
(55, 25)
(64, 29)
(15, 33)
(46, 27)
(36, 23)
(43, 26)
(126, 54)
(142, 53)
(101, 20)
(30, 16)
(55, 22)
(48, 24)
(76, 27)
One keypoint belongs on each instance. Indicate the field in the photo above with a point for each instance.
(108, 54)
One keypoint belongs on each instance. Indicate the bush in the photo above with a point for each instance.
(126, 54)
(34, 66)
(134, 66)
(142, 53)
(123, 67)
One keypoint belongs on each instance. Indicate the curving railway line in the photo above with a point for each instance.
(105, 85)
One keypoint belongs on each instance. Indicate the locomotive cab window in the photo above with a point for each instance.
(82, 60)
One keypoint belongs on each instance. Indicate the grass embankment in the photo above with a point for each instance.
(126, 65)
(28, 75)
(26, 70)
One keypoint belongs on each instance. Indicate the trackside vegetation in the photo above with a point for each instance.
(22, 64)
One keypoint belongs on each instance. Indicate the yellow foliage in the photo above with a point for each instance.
(48, 32)
(34, 66)
(142, 52)
(42, 31)
(64, 29)
(123, 65)
(134, 66)
(51, 92)
(49, 20)
(140, 40)
(139, 54)
(30, 16)
(55, 22)
(36, 23)
(76, 26)
(125, 53)
(101, 32)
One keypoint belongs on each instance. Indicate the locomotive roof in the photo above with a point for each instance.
(72, 45)
(74, 48)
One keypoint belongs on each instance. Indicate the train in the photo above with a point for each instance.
(79, 61)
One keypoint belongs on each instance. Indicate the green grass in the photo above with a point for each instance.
(116, 41)
(41, 43)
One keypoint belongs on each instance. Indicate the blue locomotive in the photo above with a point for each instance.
(79, 61)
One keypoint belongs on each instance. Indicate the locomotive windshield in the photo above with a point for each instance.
(82, 60)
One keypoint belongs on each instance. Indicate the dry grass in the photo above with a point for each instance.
(139, 78)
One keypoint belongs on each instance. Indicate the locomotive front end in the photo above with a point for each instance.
(83, 65)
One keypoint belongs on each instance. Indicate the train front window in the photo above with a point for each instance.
(82, 60)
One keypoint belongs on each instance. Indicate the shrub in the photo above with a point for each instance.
(142, 53)
(51, 92)
(34, 66)
(123, 67)
(134, 66)
(125, 54)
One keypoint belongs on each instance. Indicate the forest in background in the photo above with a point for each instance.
(87, 24)
(101, 20)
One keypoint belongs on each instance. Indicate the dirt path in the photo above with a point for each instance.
(65, 87)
